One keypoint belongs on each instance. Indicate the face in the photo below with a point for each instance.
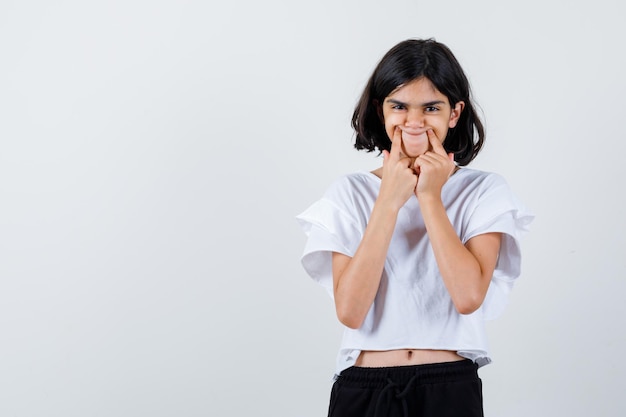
(415, 108)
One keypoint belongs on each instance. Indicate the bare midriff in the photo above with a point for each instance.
(404, 357)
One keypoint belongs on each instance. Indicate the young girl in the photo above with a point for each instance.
(418, 253)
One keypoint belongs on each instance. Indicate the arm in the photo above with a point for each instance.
(466, 269)
(356, 279)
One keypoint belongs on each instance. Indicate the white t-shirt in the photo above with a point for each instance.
(412, 308)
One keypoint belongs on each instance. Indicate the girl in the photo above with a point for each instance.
(418, 253)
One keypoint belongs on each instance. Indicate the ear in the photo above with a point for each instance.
(456, 113)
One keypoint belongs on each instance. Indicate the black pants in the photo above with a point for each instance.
(451, 389)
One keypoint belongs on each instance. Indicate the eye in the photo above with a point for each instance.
(431, 109)
(398, 107)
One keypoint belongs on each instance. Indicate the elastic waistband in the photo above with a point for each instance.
(424, 374)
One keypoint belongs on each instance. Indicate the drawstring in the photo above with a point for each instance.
(399, 395)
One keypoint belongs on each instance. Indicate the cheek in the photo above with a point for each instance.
(441, 132)
(388, 128)
(391, 121)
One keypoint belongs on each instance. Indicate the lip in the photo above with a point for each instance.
(414, 135)
(414, 132)
(414, 143)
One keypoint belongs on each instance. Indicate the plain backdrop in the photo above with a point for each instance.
(154, 155)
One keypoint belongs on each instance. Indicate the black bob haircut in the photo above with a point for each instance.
(410, 60)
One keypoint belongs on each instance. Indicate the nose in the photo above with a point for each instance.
(414, 118)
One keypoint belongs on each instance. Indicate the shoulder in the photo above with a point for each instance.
(353, 195)
(349, 185)
(469, 179)
(468, 189)
(478, 176)
(490, 195)
(344, 205)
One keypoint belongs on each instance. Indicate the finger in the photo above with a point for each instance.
(435, 159)
(417, 165)
(425, 159)
(436, 143)
(396, 143)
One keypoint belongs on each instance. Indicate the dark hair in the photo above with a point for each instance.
(411, 60)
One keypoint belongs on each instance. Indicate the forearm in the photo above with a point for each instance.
(461, 271)
(356, 279)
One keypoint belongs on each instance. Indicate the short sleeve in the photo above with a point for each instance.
(328, 229)
(498, 210)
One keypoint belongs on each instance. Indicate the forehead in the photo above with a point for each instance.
(421, 89)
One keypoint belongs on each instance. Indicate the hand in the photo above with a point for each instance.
(399, 178)
(433, 168)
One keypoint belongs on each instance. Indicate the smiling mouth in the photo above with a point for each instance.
(414, 143)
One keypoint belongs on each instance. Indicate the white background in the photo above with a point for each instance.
(153, 155)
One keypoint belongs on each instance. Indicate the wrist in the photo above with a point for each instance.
(386, 207)
(429, 201)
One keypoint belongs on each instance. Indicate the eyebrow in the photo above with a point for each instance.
(427, 104)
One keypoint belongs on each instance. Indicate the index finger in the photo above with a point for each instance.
(436, 143)
(396, 143)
